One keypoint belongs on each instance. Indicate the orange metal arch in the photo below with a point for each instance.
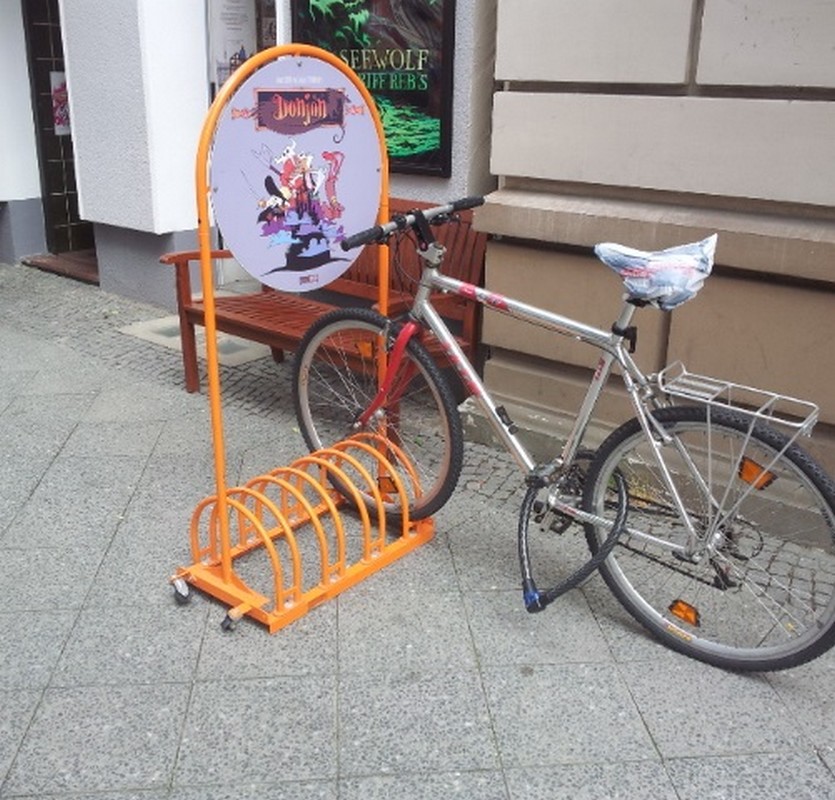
(201, 177)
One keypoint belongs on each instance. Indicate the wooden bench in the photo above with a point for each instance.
(280, 319)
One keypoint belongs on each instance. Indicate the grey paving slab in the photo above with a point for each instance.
(59, 375)
(38, 428)
(613, 780)
(106, 439)
(119, 645)
(274, 449)
(187, 433)
(548, 715)
(679, 701)
(49, 409)
(482, 785)
(289, 790)
(483, 544)
(505, 633)
(402, 630)
(259, 730)
(428, 570)
(16, 710)
(308, 646)
(139, 794)
(807, 692)
(170, 488)
(32, 642)
(63, 371)
(17, 482)
(626, 638)
(14, 381)
(137, 565)
(42, 579)
(79, 502)
(49, 368)
(24, 452)
(752, 777)
(100, 738)
(416, 720)
(139, 402)
(427, 680)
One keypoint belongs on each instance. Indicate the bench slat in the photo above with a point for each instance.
(280, 319)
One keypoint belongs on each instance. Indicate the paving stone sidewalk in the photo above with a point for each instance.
(427, 681)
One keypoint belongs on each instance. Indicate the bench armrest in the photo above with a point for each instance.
(184, 256)
(181, 260)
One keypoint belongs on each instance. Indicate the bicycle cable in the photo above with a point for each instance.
(536, 599)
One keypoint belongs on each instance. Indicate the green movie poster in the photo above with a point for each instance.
(402, 51)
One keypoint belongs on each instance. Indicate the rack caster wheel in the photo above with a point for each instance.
(182, 595)
(228, 624)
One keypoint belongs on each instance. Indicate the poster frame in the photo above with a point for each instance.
(439, 164)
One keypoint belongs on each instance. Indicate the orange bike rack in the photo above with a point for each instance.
(293, 513)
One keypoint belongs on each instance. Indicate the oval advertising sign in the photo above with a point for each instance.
(295, 166)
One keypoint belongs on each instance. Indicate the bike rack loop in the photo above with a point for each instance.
(295, 513)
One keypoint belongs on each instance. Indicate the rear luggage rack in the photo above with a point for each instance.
(796, 415)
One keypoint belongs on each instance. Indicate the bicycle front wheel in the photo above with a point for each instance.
(336, 378)
(752, 585)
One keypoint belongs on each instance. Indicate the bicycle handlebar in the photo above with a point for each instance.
(379, 232)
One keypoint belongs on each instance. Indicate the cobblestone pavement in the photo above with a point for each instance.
(428, 680)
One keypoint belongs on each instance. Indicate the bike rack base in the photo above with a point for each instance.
(297, 512)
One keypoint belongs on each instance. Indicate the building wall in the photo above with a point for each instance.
(135, 127)
(19, 178)
(21, 218)
(717, 116)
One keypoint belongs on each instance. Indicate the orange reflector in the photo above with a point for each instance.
(685, 612)
(365, 349)
(751, 472)
(386, 485)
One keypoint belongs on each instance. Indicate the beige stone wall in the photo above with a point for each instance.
(653, 123)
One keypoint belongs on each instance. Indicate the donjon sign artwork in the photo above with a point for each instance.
(295, 166)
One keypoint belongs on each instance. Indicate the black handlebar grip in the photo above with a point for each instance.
(468, 202)
(363, 237)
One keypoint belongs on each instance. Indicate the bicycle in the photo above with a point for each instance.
(706, 519)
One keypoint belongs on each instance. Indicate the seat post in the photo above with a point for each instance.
(621, 324)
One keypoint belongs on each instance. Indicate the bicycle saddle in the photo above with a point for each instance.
(663, 278)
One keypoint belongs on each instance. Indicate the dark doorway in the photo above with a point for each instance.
(68, 237)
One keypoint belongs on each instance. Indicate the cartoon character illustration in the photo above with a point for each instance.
(332, 208)
(301, 209)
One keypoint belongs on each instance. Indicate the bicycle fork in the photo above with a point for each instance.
(394, 381)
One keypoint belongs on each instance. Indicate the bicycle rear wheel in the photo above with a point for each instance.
(757, 592)
(335, 379)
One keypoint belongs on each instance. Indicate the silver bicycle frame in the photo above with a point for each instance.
(609, 342)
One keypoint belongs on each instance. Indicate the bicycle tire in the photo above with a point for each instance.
(763, 597)
(329, 394)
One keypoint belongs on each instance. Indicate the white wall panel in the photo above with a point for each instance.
(176, 109)
(768, 43)
(136, 72)
(769, 149)
(18, 154)
(612, 41)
